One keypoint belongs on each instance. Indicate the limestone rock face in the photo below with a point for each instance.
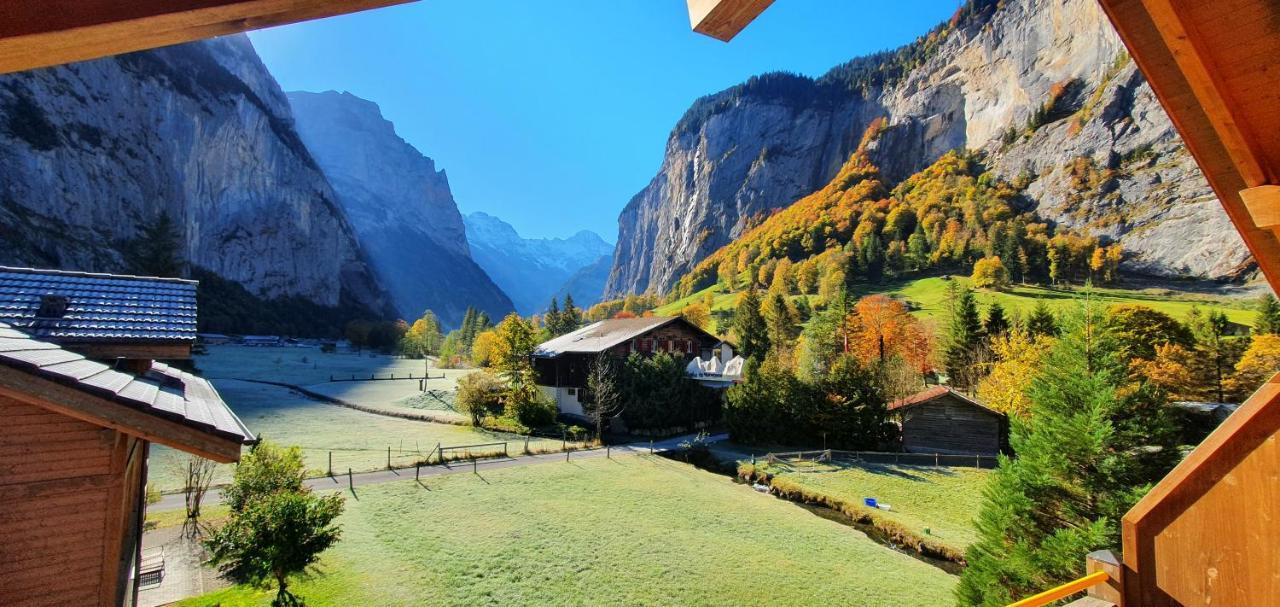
(92, 152)
(761, 145)
(400, 206)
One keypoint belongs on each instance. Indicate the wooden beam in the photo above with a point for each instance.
(1263, 204)
(131, 351)
(47, 394)
(40, 33)
(1200, 76)
(723, 19)
(1164, 47)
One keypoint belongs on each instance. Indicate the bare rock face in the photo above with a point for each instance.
(1106, 158)
(401, 207)
(92, 152)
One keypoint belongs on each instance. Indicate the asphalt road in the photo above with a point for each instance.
(174, 501)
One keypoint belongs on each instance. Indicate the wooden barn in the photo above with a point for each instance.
(562, 363)
(76, 431)
(941, 420)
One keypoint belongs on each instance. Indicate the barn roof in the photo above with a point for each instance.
(98, 307)
(163, 391)
(602, 335)
(934, 393)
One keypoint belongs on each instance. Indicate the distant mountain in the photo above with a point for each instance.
(400, 206)
(587, 284)
(532, 270)
(92, 153)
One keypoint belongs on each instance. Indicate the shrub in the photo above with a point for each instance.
(480, 395)
(534, 412)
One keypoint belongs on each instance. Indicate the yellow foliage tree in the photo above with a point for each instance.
(1170, 369)
(698, 314)
(1018, 356)
(990, 273)
(1259, 364)
(482, 348)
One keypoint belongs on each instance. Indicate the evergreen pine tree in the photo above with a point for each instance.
(783, 326)
(1087, 452)
(873, 257)
(571, 316)
(996, 323)
(1268, 320)
(1041, 321)
(1216, 352)
(918, 249)
(157, 251)
(467, 332)
(552, 320)
(750, 326)
(964, 337)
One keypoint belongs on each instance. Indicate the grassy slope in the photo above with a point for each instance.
(942, 500)
(631, 531)
(930, 295)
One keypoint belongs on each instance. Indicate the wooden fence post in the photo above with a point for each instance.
(608, 451)
(651, 446)
(351, 482)
(415, 470)
(439, 454)
(475, 466)
(388, 457)
(330, 464)
(526, 445)
(566, 455)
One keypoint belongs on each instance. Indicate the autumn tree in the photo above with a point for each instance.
(1258, 365)
(698, 314)
(1140, 329)
(1169, 369)
(990, 273)
(512, 352)
(1018, 356)
(423, 338)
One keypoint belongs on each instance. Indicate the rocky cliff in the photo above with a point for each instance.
(533, 270)
(91, 153)
(400, 205)
(1043, 87)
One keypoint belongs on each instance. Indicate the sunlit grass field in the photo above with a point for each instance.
(938, 503)
(636, 530)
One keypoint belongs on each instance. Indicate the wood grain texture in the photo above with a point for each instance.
(724, 19)
(40, 33)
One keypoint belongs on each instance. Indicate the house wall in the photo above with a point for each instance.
(566, 399)
(948, 425)
(68, 501)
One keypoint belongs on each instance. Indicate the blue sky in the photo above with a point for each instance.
(552, 114)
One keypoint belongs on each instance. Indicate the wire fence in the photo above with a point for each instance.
(831, 459)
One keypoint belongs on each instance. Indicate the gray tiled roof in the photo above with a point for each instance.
(164, 391)
(100, 307)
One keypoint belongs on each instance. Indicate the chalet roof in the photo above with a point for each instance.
(164, 391)
(934, 393)
(99, 307)
(605, 334)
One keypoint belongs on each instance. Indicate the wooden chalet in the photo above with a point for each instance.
(80, 405)
(562, 363)
(941, 420)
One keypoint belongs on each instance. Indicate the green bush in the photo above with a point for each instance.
(480, 396)
(533, 413)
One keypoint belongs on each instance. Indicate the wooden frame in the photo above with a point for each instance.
(40, 33)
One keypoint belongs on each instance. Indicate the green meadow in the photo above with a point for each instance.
(635, 530)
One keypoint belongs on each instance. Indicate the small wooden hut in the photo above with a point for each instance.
(941, 420)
